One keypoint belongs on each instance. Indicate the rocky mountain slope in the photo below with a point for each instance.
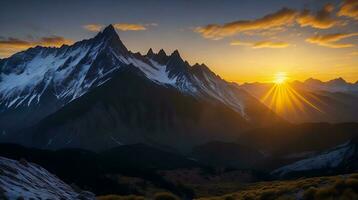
(107, 172)
(342, 157)
(23, 180)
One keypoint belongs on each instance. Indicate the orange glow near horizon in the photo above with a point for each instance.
(283, 99)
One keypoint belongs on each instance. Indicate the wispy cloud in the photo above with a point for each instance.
(282, 17)
(349, 8)
(53, 41)
(270, 44)
(331, 40)
(93, 27)
(13, 42)
(279, 20)
(321, 20)
(267, 33)
(9, 46)
(261, 44)
(120, 26)
(129, 27)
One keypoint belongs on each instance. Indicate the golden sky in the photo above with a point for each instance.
(242, 41)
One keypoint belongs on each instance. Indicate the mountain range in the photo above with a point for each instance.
(334, 85)
(96, 94)
(312, 100)
(82, 111)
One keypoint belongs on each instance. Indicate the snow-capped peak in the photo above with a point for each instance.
(68, 72)
(111, 37)
(150, 53)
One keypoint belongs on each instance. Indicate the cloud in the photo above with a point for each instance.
(4, 53)
(282, 17)
(240, 43)
(93, 27)
(130, 27)
(261, 44)
(9, 46)
(321, 20)
(270, 44)
(349, 8)
(330, 40)
(14, 42)
(120, 26)
(274, 22)
(53, 41)
(267, 33)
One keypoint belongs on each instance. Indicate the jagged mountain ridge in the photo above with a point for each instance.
(26, 75)
(39, 81)
(34, 70)
(63, 74)
(52, 80)
(334, 85)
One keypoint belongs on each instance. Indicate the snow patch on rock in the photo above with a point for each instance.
(30, 181)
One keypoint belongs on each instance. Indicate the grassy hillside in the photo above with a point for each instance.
(342, 187)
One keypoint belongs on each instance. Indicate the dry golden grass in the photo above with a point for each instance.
(343, 187)
(317, 188)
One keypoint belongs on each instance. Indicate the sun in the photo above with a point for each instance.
(285, 99)
(280, 78)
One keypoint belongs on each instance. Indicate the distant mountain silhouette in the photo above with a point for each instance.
(332, 101)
